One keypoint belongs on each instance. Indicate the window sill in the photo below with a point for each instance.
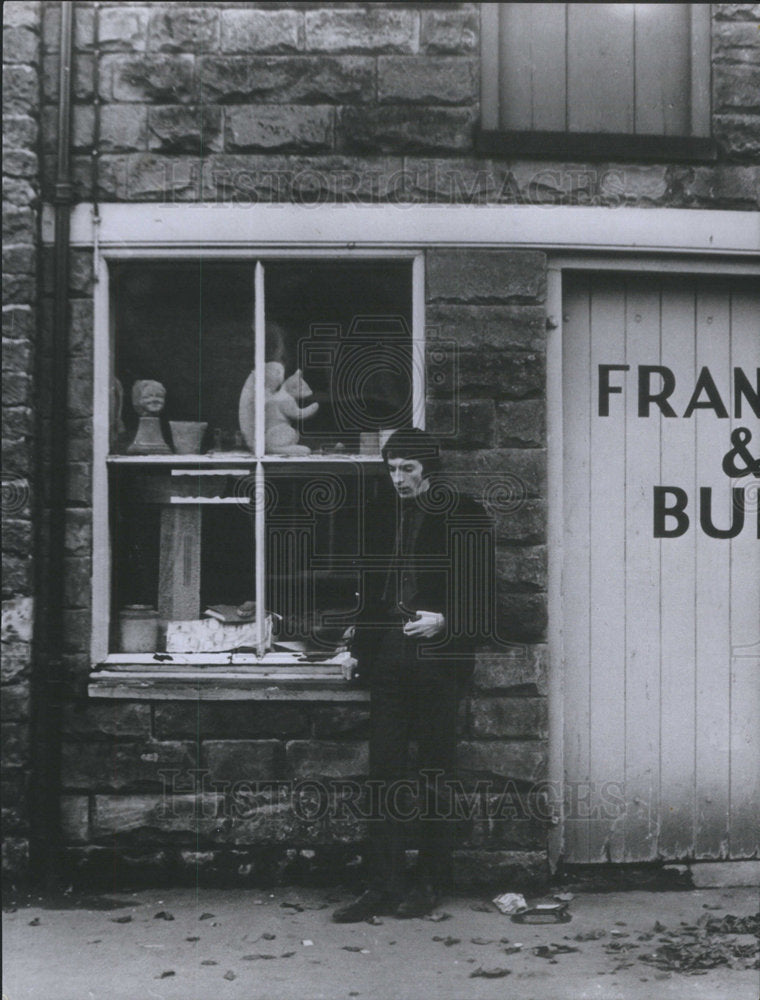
(215, 678)
(597, 146)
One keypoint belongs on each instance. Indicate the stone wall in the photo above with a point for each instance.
(250, 102)
(21, 114)
(321, 102)
(155, 788)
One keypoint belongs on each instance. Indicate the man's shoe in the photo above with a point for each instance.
(418, 903)
(369, 904)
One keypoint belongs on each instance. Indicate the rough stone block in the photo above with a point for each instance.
(19, 258)
(90, 720)
(21, 14)
(486, 276)
(15, 857)
(75, 819)
(502, 478)
(123, 766)
(461, 424)
(123, 128)
(20, 90)
(18, 224)
(738, 135)
(634, 185)
(287, 79)
(209, 720)
(15, 744)
(15, 662)
(450, 31)
(413, 129)
(521, 424)
(157, 78)
(242, 760)
(181, 129)
(17, 620)
(17, 576)
(307, 758)
(736, 87)
(340, 720)
(15, 703)
(518, 520)
(510, 718)
(194, 816)
(522, 871)
(19, 132)
(457, 372)
(373, 29)
(301, 179)
(279, 127)
(18, 323)
(521, 761)
(522, 617)
(18, 422)
(123, 28)
(176, 28)
(17, 535)
(495, 327)
(523, 567)
(724, 185)
(519, 669)
(735, 41)
(20, 45)
(426, 80)
(261, 30)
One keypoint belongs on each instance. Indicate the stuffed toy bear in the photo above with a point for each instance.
(282, 399)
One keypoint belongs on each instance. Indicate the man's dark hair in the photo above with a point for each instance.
(414, 443)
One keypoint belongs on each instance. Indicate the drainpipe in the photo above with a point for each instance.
(49, 617)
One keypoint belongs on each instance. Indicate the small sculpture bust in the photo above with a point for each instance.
(148, 398)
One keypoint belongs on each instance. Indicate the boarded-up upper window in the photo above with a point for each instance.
(627, 68)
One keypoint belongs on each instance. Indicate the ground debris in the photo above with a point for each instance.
(552, 950)
(166, 975)
(731, 924)
(35, 922)
(229, 975)
(206, 916)
(694, 951)
(163, 915)
(256, 957)
(122, 920)
(448, 941)
(209, 961)
(193, 937)
(482, 907)
(438, 916)
(479, 940)
(495, 973)
(590, 935)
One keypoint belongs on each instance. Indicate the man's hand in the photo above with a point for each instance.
(426, 625)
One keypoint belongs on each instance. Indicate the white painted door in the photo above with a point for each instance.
(661, 635)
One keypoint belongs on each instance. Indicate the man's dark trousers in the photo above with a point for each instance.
(412, 698)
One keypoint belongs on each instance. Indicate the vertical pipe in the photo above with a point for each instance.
(47, 699)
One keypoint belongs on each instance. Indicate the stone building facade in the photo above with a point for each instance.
(309, 105)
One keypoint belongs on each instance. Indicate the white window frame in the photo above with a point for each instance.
(627, 238)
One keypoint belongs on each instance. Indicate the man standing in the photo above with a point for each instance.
(421, 616)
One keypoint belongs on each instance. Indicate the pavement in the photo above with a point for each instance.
(217, 944)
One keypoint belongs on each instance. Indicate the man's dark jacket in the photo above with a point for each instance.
(446, 565)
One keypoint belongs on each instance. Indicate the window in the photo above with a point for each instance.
(249, 403)
(596, 79)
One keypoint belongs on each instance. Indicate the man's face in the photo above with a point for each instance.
(407, 476)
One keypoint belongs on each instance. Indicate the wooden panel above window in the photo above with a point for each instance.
(564, 79)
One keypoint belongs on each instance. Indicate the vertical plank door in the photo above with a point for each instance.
(661, 635)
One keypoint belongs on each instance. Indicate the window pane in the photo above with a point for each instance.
(188, 326)
(181, 545)
(347, 327)
(313, 548)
